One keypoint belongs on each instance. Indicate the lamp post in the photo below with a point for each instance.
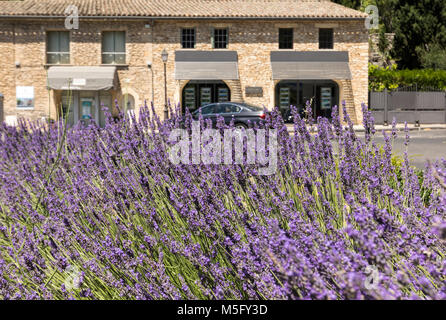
(164, 56)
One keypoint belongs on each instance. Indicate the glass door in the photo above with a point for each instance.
(325, 101)
(284, 98)
(306, 94)
(223, 94)
(105, 101)
(88, 107)
(205, 95)
(67, 107)
(189, 98)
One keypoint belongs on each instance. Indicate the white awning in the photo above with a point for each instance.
(206, 65)
(81, 78)
(307, 65)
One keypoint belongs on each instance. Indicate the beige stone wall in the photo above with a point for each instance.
(25, 42)
(253, 40)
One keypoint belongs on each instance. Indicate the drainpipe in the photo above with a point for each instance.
(1, 108)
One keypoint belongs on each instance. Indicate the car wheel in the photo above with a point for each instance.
(241, 126)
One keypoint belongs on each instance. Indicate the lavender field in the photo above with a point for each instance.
(90, 213)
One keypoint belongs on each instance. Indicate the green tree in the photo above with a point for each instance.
(355, 4)
(416, 25)
(432, 56)
(419, 27)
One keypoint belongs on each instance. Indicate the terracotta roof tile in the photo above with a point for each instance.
(183, 8)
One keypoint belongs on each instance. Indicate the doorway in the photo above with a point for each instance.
(85, 106)
(322, 94)
(198, 93)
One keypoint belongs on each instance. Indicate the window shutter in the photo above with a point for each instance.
(119, 41)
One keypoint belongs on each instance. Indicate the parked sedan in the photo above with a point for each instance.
(242, 113)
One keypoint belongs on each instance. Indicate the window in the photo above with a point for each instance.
(286, 38)
(230, 108)
(58, 47)
(220, 39)
(325, 38)
(219, 109)
(113, 47)
(235, 109)
(188, 38)
(198, 93)
(208, 109)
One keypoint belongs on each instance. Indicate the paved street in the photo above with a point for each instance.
(424, 145)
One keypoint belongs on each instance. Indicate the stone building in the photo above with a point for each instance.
(263, 52)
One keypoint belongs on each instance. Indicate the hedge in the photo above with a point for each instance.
(391, 78)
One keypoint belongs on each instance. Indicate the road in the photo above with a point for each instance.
(424, 145)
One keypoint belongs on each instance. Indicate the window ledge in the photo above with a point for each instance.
(114, 65)
(25, 108)
(47, 65)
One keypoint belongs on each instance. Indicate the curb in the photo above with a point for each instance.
(379, 128)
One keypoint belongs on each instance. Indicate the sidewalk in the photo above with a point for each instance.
(399, 127)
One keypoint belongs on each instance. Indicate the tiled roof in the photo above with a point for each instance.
(182, 8)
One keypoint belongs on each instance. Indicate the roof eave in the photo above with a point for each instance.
(33, 17)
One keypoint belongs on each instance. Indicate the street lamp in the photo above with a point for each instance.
(164, 56)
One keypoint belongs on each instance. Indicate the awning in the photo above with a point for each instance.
(81, 78)
(206, 65)
(310, 65)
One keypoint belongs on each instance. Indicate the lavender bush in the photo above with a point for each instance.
(90, 213)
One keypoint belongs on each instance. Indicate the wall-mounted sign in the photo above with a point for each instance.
(25, 97)
(79, 82)
(257, 91)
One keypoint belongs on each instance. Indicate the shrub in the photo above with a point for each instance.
(103, 214)
(391, 78)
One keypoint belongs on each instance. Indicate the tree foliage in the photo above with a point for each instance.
(419, 27)
(355, 4)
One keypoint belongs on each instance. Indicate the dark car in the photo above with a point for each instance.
(242, 113)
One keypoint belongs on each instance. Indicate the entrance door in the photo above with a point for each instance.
(88, 107)
(325, 98)
(82, 106)
(198, 93)
(205, 95)
(322, 95)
